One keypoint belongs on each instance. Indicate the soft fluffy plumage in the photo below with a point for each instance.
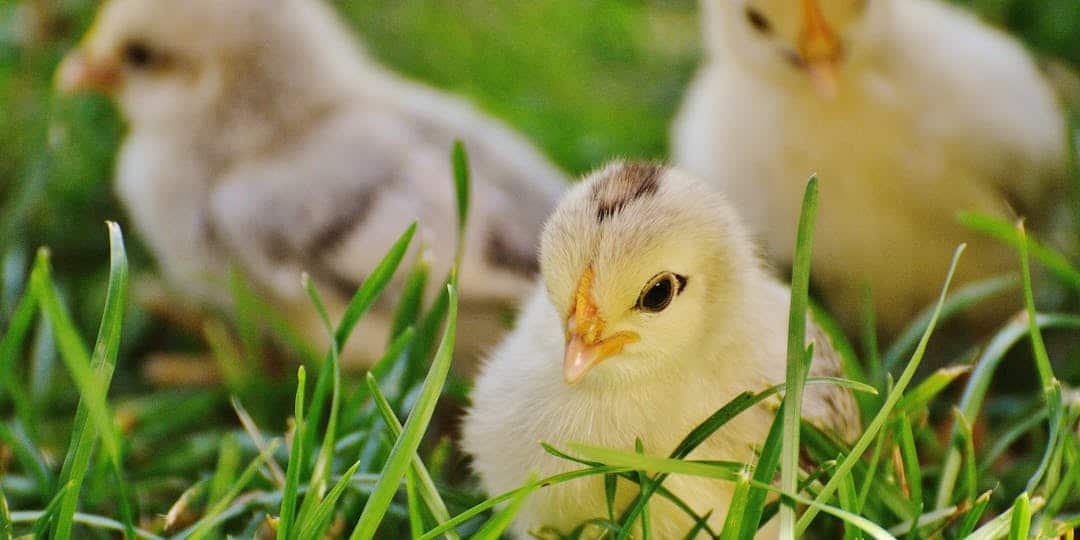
(723, 333)
(929, 112)
(261, 136)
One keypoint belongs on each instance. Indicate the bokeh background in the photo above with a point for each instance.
(584, 79)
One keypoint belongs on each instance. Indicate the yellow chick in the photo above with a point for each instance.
(909, 110)
(654, 312)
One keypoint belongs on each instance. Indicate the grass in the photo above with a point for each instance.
(88, 450)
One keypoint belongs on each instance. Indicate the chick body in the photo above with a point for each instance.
(658, 388)
(260, 136)
(933, 113)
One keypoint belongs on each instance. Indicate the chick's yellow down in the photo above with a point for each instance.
(261, 136)
(909, 110)
(653, 312)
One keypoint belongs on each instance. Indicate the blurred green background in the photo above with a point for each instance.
(585, 79)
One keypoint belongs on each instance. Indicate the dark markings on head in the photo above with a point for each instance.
(502, 253)
(628, 183)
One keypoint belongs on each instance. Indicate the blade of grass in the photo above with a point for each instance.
(412, 499)
(296, 463)
(1021, 518)
(5, 515)
(11, 346)
(360, 303)
(321, 474)
(886, 409)
(972, 517)
(208, 522)
(910, 458)
(796, 348)
(91, 376)
(428, 491)
(494, 527)
(256, 438)
(920, 397)
(637, 461)
(225, 472)
(405, 447)
(979, 383)
(316, 523)
(1001, 525)
(764, 471)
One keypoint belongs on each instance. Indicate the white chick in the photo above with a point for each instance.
(909, 110)
(655, 312)
(259, 135)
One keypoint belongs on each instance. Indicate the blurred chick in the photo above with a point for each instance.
(655, 312)
(259, 135)
(910, 110)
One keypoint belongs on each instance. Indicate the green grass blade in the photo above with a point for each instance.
(736, 518)
(428, 491)
(296, 462)
(910, 459)
(972, 517)
(11, 347)
(412, 498)
(796, 348)
(225, 472)
(633, 460)
(1000, 526)
(46, 515)
(321, 474)
(886, 409)
(964, 298)
(373, 286)
(494, 527)
(29, 456)
(209, 521)
(360, 303)
(5, 516)
(849, 502)
(919, 398)
(91, 376)
(490, 503)
(966, 440)
(979, 383)
(460, 160)
(319, 519)
(1006, 232)
(405, 447)
(1021, 518)
(764, 472)
(412, 297)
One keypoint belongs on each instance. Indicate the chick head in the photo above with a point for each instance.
(644, 264)
(191, 60)
(798, 41)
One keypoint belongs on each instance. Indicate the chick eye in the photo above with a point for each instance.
(661, 290)
(137, 54)
(758, 20)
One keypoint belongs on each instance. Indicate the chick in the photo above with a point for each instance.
(909, 110)
(654, 312)
(261, 136)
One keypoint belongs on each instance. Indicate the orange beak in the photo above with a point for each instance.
(585, 345)
(78, 73)
(819, 49)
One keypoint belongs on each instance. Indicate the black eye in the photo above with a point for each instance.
(137, 54)
(758, 21)
(661, 290)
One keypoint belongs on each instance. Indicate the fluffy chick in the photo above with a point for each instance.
(654, 312)
(910, 110)
(261, 136)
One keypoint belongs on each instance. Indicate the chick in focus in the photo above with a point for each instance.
(654, 312)
(261, 136)
(909, 110)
